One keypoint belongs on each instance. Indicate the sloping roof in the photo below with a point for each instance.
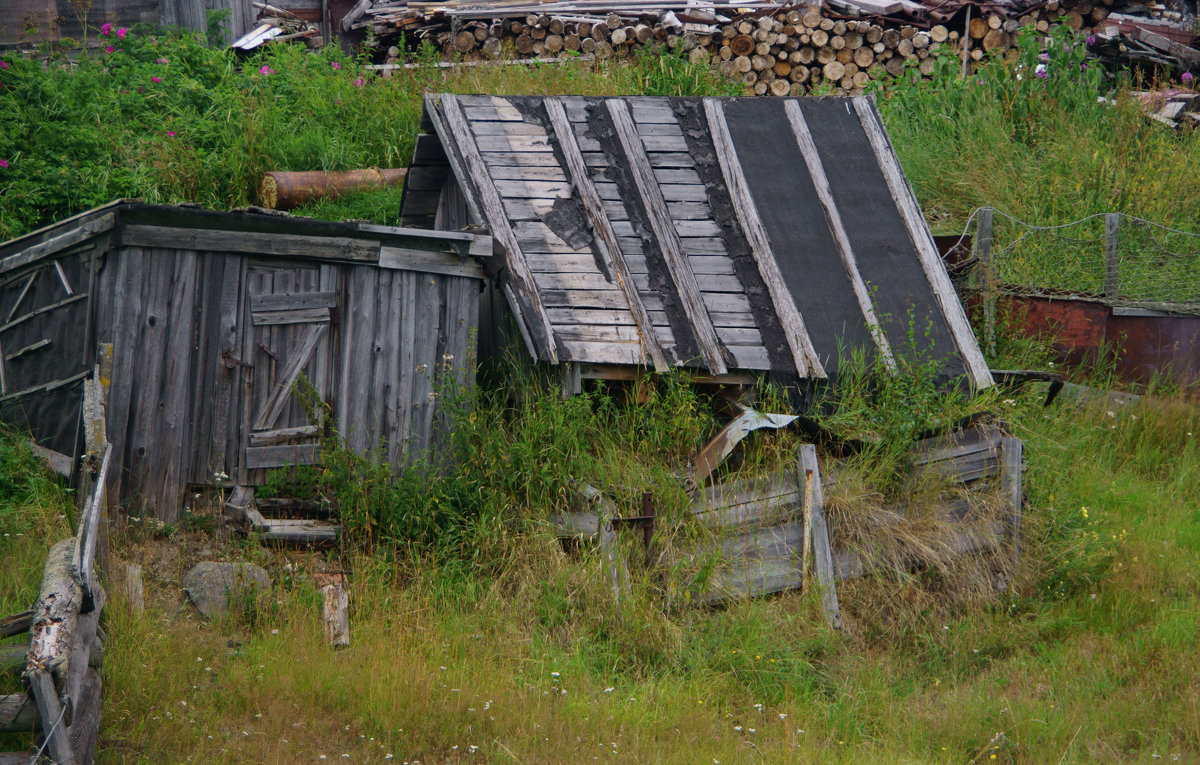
(722, 234)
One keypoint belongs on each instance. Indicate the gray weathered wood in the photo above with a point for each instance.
(655, 204)
(56, 613)
(594, 501)
(12, 656)
(1011, 485)
(55, 244)
(60, 463)
(283, 245)
(810, 473)
(808, 364)
(609, 247)
(335, 613)
(134, 589)
(51, 711)
(983, 244)
(428, 262)
(459, 133)
(812, 159)
(42, 310)
(282, 389)
(299, 316)
(18, 713)
(283, 435)
(21, 297)
(927, 252)
(295, 301)
(258, 457)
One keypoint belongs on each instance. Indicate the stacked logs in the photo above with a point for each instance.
(788, 52)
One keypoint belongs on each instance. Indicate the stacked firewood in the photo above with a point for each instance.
(771, 50)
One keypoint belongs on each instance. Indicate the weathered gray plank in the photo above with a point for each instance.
(816, 169)
(532, 189)
(55, 244)
(931, 261)
(429, 262)
(259, 457)
(1011, 485)
(284, 245)
(281, 390)
(804, 354)
(809, 475)
(586, 352)
(301, 316)
(292, 302)
(608, 245)
(654, 202)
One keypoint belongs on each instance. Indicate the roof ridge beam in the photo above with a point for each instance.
(812, 158)
(606, 238)
(666, 235)
(808, 364)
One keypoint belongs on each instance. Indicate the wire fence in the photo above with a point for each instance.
(1120, 259)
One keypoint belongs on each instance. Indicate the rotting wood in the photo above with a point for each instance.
(428, 262)
(615, 569)
(335, 612)
(134, 590)
(282, 389)
(18, 714)
(13, 656)
(610, 248)
(457, 133)
(819, 533)
(931, 261)
(56, 613)
(792, 322)
(259, 457)
(816, 169)
(16, 624)
(58, 462)
(653, 197)
(1011, 486)
(325, 248)
(56, 741)
(55, 244)
(283, 190)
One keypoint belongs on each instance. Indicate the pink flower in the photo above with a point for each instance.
(1186, 77)
(106, 29)
(109, 49)
(358, 83)
(336, 65)
(3, 64)
(266, 70)
(122, 32)
(156, 79)
(3, 164)
(170, 134)
(160, 61)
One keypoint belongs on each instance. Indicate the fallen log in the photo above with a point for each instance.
(280, 190)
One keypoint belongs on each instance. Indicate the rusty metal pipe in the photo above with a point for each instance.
(282, 190)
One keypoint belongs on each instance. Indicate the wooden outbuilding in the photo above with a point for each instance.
(201, 324)
(729, 236)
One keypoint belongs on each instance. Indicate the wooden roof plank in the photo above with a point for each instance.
(472, 173)
(653, 200)
(606, 238)
(927, 252)
(816, 169)
(790, 318)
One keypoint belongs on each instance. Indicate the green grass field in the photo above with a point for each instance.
(475, 637)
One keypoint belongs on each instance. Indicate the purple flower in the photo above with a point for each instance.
(1186, 77)
(3, 164)
(1091, 40)
(109, 49)
(1083, 66)
(3, 64)
(1043, 57)
(358, 83)
(170, 134)
(122, 32)
(156, 80)
(1041, 75)
(160, 61)
(266, 70)
(106, 29)
(336, 65)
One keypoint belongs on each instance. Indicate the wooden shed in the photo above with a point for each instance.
(731, 236)
(200, 324)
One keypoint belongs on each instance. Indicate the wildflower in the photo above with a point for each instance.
(170, 134)
(122, 32)
(109, 49)
(358, 83)
(1186, 77)
(160, 61)
(1083, 512)
(3, 64)
(336, 65)
(4, 166)
(1043, 57)
(106, 29)
(1040, 72)
(1091, 40)
(266, 70)
(156, 80)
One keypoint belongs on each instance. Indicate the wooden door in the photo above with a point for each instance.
(291, 313)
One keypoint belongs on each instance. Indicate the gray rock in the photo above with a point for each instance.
(212, 585)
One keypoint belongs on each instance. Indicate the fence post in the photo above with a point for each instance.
(1112, 256)
(983, 243)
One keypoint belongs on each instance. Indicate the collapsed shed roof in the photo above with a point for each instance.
(719, 234)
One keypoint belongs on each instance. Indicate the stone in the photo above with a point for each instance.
(211, 585)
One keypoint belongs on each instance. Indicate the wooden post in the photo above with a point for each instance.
(806, 546)
(1012, 465)
(983, 243)
(336, 614)
(54, 736)
(966, 41)
(134, 591)
(1112, 255)
(815, 505)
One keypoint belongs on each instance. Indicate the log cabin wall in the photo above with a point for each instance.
(213, 318)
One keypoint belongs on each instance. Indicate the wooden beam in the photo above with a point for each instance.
(808, 148)
(51, 710)
(424, 261)
(808, 364)
(18, 713)
(56, 613)
(283, 245)
(606, 241)
(810, 476)
(1011, 468)
(278, 398)
(55, 244)
(668, 238)
(927, 252)
(473, 174)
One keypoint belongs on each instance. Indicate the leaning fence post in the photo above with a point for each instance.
(983, 243)
(1112, 255)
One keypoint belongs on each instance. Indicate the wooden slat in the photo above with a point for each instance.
(816, 169)
(804, 354)
(1011, 485)
(810, 471)
(282, 389)
(284, 245)
(283, 435)
(41, 250)
(303, 316)
(259, 457)
(292, 302)
(523, 283)
(927, 252)
(404, 259)
(586, 352)
(606, 242)
(668, 239)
